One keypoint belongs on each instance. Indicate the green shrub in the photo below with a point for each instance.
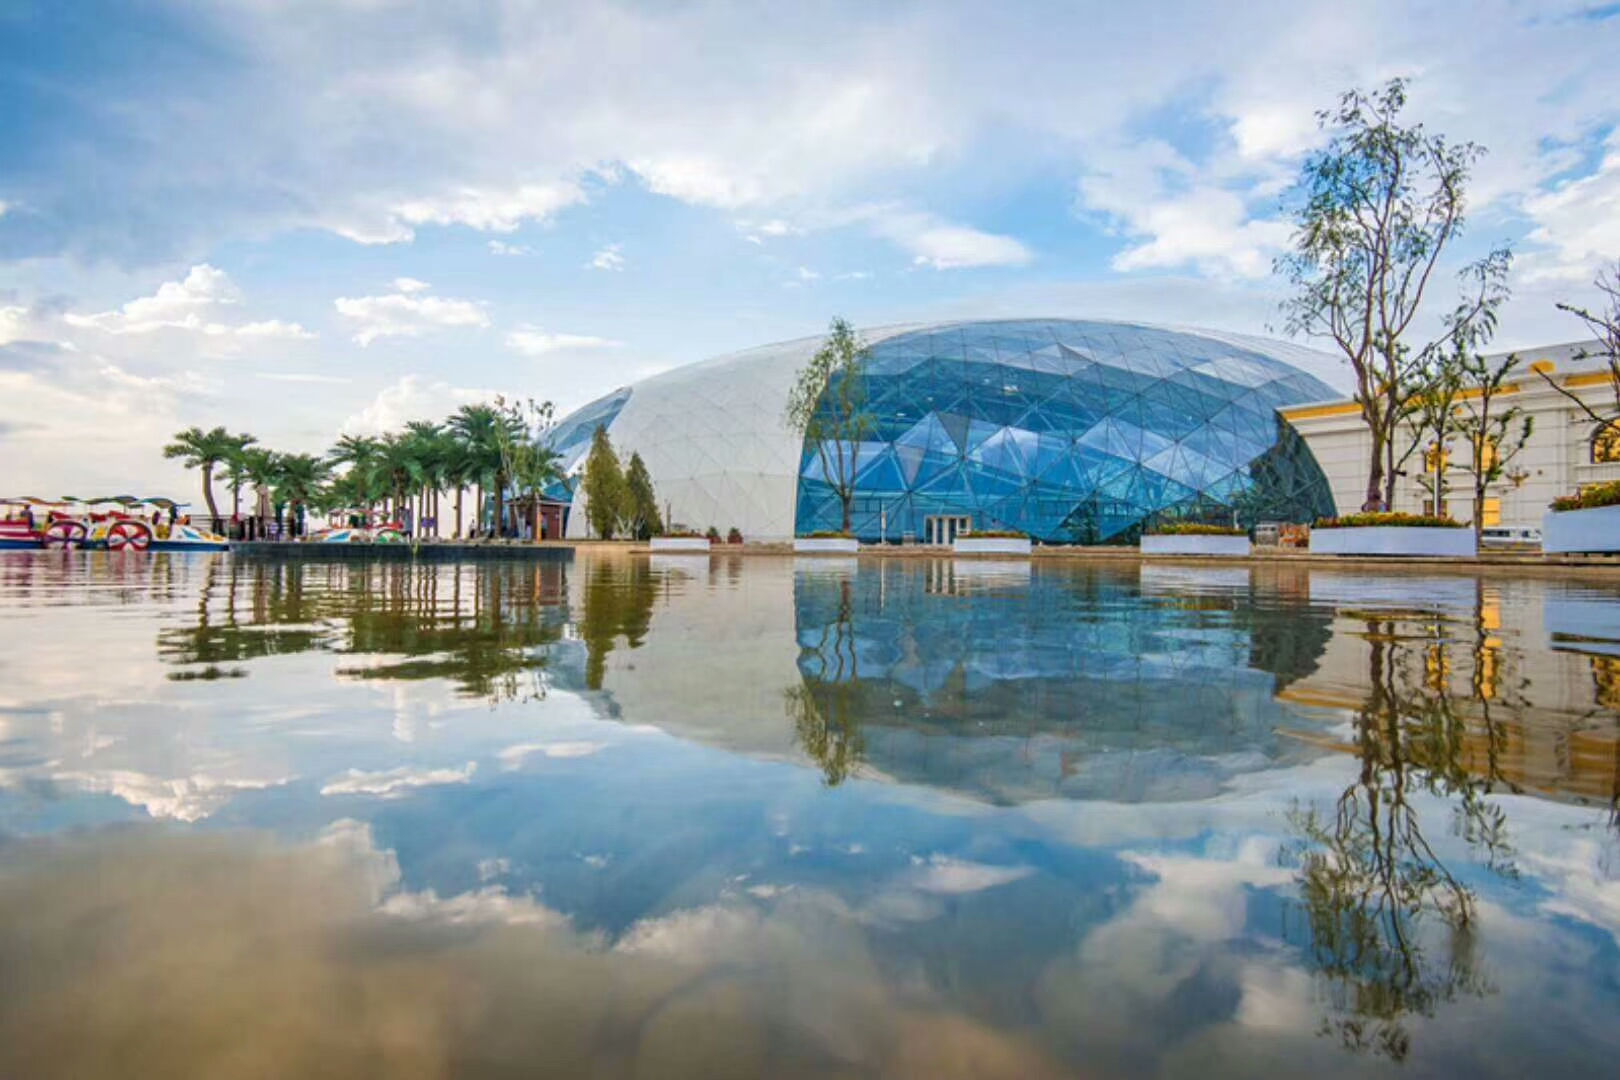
(1590, 497)
(734, 536)
(713, 534)
(1193, 528)
(828, 534)
(680, 533)
(994, 534)
(1398, 520)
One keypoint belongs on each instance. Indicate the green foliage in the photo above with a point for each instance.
(828, 407)
(1381, 204)
(641, 501)
(1590, 497)
(206, 450)
(1193, 528)
(604, 486)
(995, 534)
(713, 535)
(830, 534)
(1382, 519)
(734, 535)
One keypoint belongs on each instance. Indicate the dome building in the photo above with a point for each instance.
(1074, 431)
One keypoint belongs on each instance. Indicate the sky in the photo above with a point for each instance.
(298, 218)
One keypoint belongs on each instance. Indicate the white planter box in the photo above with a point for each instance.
(1395, 540)
(991, 545)
(680, 543)
(826, 545)
(1221, 546)
(1597, 529)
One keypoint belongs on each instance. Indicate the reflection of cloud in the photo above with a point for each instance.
(955, 876)
(408, 983)
(183, 798)
(395, 783)
(490, 869)
(512, 756)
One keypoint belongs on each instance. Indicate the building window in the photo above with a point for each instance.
(1606, 444)
(1491, 512)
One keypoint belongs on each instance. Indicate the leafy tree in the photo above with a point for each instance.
(236, 469)
(299, 480)
(1494, 434)
(1381, 205)
(827, 407)
(1432, 412)
(604, 486)
(641, 501)
(205, 450)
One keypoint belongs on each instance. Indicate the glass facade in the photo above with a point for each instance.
(571, 439)
(1073, 432)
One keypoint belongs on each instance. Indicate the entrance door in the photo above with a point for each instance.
(943, 530)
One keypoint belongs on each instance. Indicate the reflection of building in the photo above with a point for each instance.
(1566, 451)
(1533, 709)
(1065, 429)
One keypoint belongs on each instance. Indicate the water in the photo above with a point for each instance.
(694, 817)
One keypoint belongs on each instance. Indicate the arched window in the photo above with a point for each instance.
(1606, 444)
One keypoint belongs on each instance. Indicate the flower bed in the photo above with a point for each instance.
(1384, 520)
(1193, 528)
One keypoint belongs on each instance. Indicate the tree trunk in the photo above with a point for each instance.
(848, 499)
(208, 493)
(458, 512)
(500, 504)
(236, 500)
(1375, 472)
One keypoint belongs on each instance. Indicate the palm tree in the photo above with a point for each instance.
(204, 450)
(299, 480)
(425, 442)
(236, 469)
(477, 427)
(258, 466)
(360, 454)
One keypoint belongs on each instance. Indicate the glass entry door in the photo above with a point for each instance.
(943, 530)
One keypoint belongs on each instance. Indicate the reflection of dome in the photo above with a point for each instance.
(1069, 430)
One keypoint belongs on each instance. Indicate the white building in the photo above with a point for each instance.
(1564, 453)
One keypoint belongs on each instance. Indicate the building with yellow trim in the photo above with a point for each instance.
(1566, 451)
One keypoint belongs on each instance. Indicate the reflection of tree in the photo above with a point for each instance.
(1392, 929)
(618, 602)
(825, 706)
(486, 629)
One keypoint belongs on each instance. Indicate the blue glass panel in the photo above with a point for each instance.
(1119, 423)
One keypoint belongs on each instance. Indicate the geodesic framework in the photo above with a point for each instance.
(1072, 432)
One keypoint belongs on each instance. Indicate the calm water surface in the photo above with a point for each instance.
(740, 817)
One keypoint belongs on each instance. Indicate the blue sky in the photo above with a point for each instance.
(306, 216)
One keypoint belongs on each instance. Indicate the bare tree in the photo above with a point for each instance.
(1381, 205)
(1603, 323)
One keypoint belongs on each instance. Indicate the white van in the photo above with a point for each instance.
(1510, 536)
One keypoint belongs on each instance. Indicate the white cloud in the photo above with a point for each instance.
(607, 258)
(272, 328)
(395, 783)
(303, 377)
(513, 756)
(410, 285)
(501, 247)
(532, 341)
(1172, 217)
(951, 877)
(181, 798)
(944, 246)
(409, 398)
(1577, 223)
(4, 207)
(697, 179)
(807, 274)
(484, 209)
(408, 313)
(13, 320)
(186, 305)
